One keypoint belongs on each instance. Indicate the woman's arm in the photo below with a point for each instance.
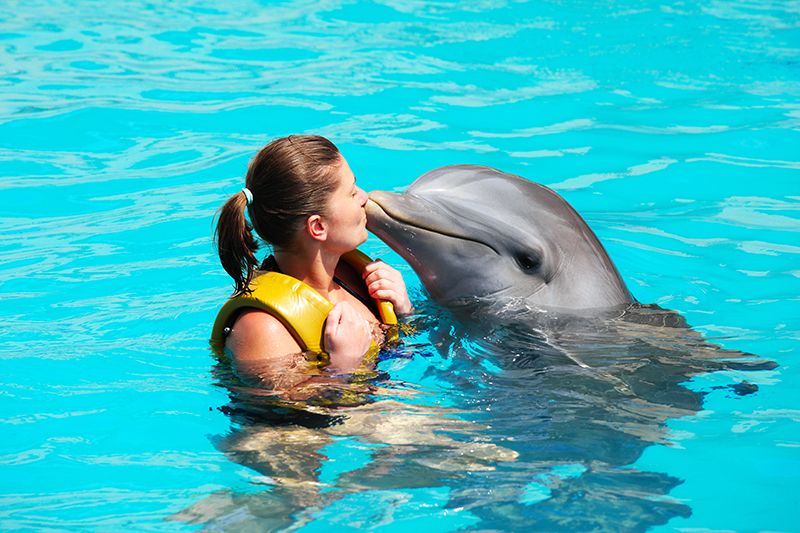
(265, 353)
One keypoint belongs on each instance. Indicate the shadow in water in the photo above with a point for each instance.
(525, 427)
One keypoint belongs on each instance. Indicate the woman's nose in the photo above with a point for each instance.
(362, 196)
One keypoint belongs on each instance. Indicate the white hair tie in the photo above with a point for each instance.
(248, 195)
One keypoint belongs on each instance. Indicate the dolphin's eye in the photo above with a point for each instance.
(529, 262)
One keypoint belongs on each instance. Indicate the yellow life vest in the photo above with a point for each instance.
(299, 307)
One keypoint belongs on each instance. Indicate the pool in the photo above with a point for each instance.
(673, 128)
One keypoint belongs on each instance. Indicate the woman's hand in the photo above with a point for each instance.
(386, 283)
(348, 336)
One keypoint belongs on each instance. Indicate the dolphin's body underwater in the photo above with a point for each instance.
(476, 232)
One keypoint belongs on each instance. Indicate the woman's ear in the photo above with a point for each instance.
(316, 228)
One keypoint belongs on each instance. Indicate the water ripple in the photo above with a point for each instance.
(673, 128)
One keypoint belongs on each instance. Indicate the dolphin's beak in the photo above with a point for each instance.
(410, 210)
(388, 212)
(374, 213)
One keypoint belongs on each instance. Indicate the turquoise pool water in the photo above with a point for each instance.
(674, 128)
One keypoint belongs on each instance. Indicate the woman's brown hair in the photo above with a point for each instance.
(290, 179)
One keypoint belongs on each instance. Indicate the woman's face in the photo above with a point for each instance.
(347, 219)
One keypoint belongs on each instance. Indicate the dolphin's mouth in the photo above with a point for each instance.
(412, 211)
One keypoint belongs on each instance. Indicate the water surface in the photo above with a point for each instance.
(673, 129)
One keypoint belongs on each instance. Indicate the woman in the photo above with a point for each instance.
(302, 199)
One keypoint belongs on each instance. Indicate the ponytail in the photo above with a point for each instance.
(236, 245)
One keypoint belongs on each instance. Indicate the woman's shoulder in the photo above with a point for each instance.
(257, 332)
(257, 319)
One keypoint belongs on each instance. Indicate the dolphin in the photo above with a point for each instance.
(476, 232)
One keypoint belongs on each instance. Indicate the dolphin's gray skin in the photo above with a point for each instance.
(473, 231)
